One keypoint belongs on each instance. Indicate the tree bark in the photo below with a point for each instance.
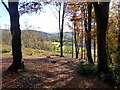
(101, 13)
(94, 49)
(82, 41)
(76, 45)
(88, 37)
(16, 36)
(72, 45)
(61, 31)
(118, 48)
(94, 43)
(88, 30)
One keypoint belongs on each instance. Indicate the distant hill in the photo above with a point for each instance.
(36, 39)
(67, 35)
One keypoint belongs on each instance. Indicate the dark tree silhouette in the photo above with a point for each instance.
(76, 42)
(16, 35)
(61, 30)
(101, 13)
(88, 40)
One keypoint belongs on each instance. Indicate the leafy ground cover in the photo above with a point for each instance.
(41, 72)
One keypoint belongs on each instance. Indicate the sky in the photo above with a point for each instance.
(45, 21)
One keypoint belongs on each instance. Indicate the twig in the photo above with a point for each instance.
(5, 6)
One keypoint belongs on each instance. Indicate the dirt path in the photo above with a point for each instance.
(39, 72)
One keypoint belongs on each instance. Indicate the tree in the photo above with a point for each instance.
(73, 11)
(16, 34)
(61, 10)
(61, 30)
(101, 13)
(89, 54)
(76, 35)
(87, 22)
(114, 33)
(118, 48)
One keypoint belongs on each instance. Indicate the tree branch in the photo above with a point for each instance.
(5, 6)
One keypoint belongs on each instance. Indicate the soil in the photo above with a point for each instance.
(47, 72)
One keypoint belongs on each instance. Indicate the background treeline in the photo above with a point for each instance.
(30, 39)
(37, 40)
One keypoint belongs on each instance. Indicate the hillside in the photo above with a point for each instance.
(33, 41)
(45, 35)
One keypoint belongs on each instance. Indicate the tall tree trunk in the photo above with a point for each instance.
(89, 54)
(76, 43)
(88, 30)
(84, 54)
(16, 36)
(101, 13)
(61, 31)
(82, 40)
(94, 43)
(59, 15)
(118, 48)
(72, 45)
(94, 49)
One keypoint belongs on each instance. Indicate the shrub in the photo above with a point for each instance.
(112, 76)
(107, 77)
(116, 73)
(86, 69)
(5, 51)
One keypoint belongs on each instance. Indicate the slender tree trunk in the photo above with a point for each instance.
(118, 48)
(101, 13)
(88, 30)
(16, 36)
(82, 40)
(61, 31)
(94, 49)
(84, 49)
(89, 54)
(94, 43)
(72, 45)
(59, 15)
(76, 43)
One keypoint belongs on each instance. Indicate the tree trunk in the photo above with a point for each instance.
(76, 45)
(88, 36)
(101, 13)
(84, 54)
(61, 31)
(75, 38)
(94, 43)
(118, 48)
(82, 40)
(89, 54)
(72, 46)
(94, 49)
(16, 36)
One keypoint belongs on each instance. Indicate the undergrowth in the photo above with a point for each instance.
(86, 69)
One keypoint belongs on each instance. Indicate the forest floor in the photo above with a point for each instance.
(39, 72)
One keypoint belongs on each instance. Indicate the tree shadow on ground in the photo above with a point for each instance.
(41, 73)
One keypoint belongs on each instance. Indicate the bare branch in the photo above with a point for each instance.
(5, 6)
